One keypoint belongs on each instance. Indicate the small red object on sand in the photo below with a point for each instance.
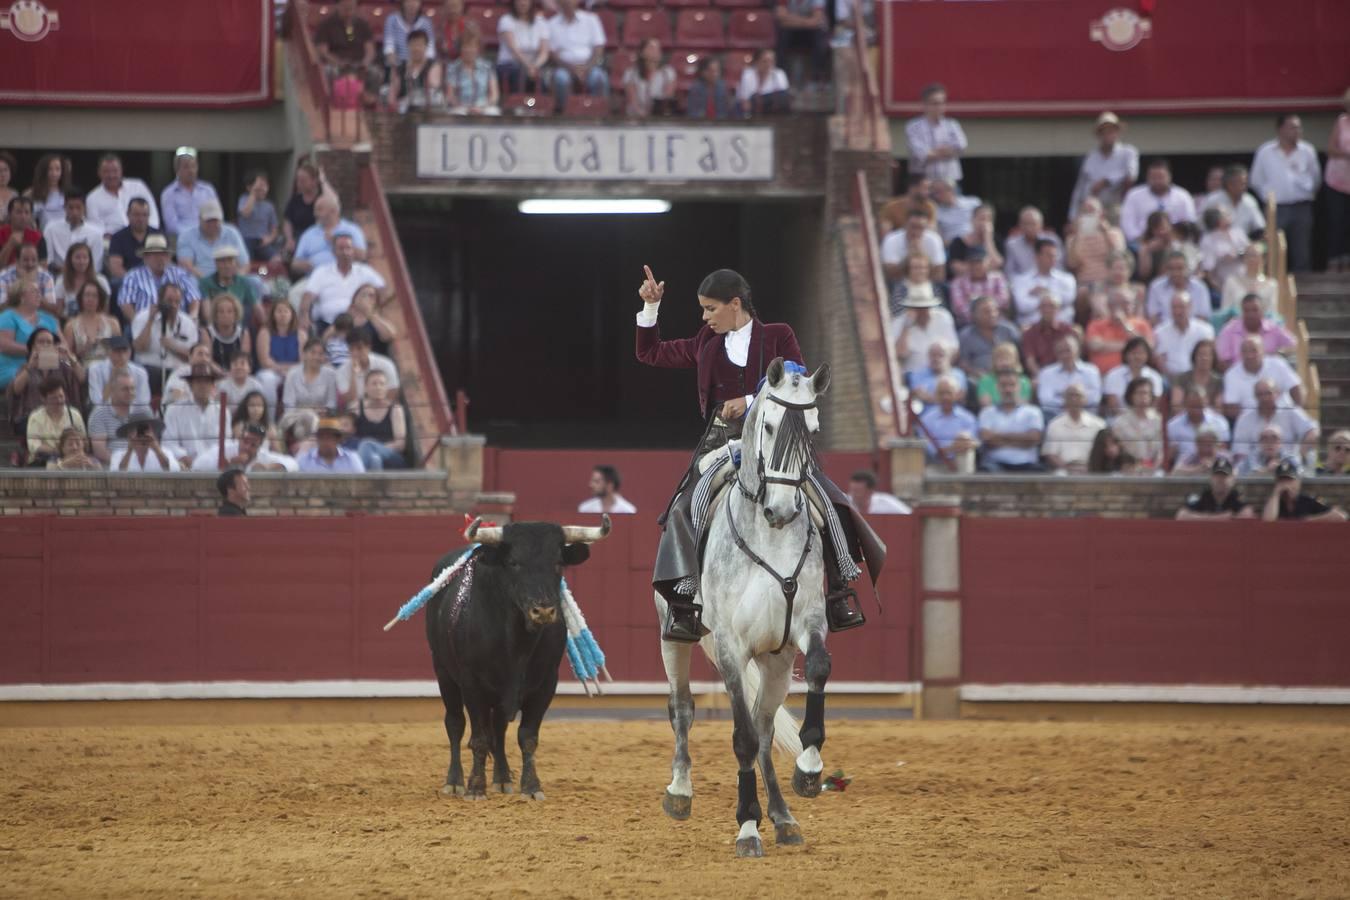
(838, 781)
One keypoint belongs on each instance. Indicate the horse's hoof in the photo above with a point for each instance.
(676, 806)
(806, 784)
(452, 790)
(789, 834)
(749, 848)
(535, 795)
(505, 788)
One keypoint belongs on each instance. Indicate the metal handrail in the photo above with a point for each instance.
(862, 206)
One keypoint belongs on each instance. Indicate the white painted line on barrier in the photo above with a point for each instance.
(1154, 693)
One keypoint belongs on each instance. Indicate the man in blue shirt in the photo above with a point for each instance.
(180, 202)
(197, 246)
(314, 247)
(950, 429)
(329, 457)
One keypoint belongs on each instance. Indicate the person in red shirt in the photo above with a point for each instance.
(1106, 337)
(18, 231)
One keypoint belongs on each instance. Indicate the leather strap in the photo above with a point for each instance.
(788, 584)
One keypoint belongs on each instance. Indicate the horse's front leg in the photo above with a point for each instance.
(806, 777)
(679, 797)
(776, 675)
(745, 743)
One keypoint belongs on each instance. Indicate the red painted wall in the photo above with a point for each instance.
(1105, 601)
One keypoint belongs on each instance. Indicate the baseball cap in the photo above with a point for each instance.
(1108, 118)
(185, 151)
(225, 251)
(210, 209)
(1221, 467)
(1287, 469)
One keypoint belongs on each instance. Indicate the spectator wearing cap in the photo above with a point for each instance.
(62, 234)
(28, 268)
(107, 205)
(1288, 167)
(143, 285)
(1110, 169)
(1175, 279)
(1020, 250)
(862, 490)
(986, 331)
(605, 497)
(1296, 429)
(955, 212)
(317, 243)
(328, 456)
(1234, 198)
(248, 453)
(1068, 369)
(114, 411)
(1177, 337)
(978, 280)
(1136, 362)
(18, 230)
(181, 202)
(46, 423)
(234, 493)
(1288, 501)
(1069, 436)
(143, 452)
(124, 247)
(1274, 337)
(227, 280)
(1185, 425)
(922, 323)
(1337, 461)
(1045, 276)
(1220, 500)
(1010, 431)
(1041, 336)
(329, 290)
(192, 427)
(1156, 194)
(361, 361)
(197, 246)
(948, 427)
(101, 373)
(916, 237)
(1239, 382)
(1107, 337)
(936, 142)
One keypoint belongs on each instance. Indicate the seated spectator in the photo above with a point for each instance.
(895, 212)
(351, 375)
(1040, 337)
(955, 214)
(329, 291)
(312, 385)
(117, 361)
(1119, 271)
(1139, 427)
(239, 382)
(1044, 276)
(335, 340)
(18, 230)
(192, 426)
(649, 83)
(916, 274)
(1337, 460)
(1177, 278)
(1021, 249)
(79, 271)
(1068, 369)
(1269, 453)
(471, 82)
(1288, 501)
(416, 82)
(605, 496)
(1069, 436)
(249, 452)
(177, 389)
(935, 141)
(980, 234)
(20, 319)
(1178, 337)
(47, 360)
(1106, 338)
(1221, 500)
(344, 42)
(1010, 431)
(1137, 362)
(1202, 376)
(978, 280)
(915, 237)
(71, 454)
(803, 29)
(1208, 450)
(1233, 198)
(1195, 417)
(1295, 428)
(111, 414)
(1273, 337)
(317, 245)
(862, 490)
(1153, 247)
(258, 222)
(922, 322)
(399, 25)
(1251, 279)
(279, 343)
(576, 38)
(225, 331)
(950, 430)
(226, 281)
(367, 321)
(143, 452)
(163, 335)
(978, 339)
(764, 87)
(1092, 243)
(1109, 170)
(1159, 194)
(1221, 251)
(923, 382)
(255, 412)
(1004, 359)
(182, 201)
(143, 285)
(328, 456)
(1107, 457)
(126, 245)
(708, 96)
(8, 167)
(61, 234)
(299, 214)
(28, 270)
(523, 51)
(48, 421)
(89, 324)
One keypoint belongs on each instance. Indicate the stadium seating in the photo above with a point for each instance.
(734, 62)
(618, 62)
(527, 104)
(641, 24)
(700, 28)
(610, 20)
(685, 63)
(587, 105)
(486, 17)
(750, 29)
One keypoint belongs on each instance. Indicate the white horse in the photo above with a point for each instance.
(762, 589)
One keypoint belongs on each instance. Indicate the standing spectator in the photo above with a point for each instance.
(106, 205)
(915, 237)
(317, 245)
(862, 490)
(923, 382)
(312, 385)
(1338, 190)
(1046, 277)
(279, 343)
(234, 493)
(1068, 369)
(1203, 376)
(955, 213)
(1108, 171)
(192, 427)
(1288, 168)
(22, 316)
(1296, 429)
(915, 278)
(1252, 279)
(90, 325)
(1069, 436)
(103, 372)
(78, 273)
(226, 281)
(1106, 338)
(471, 82)
(977, 281)
(18, 230)
(950, 429)
(605, 496)
(51, 184)
(143, 452)
(181, 202)
(345, 41)
(987, 329)
(649, 84)
(764, 87)
(299, 215)
(1021, 249)
(1337, 461)
(416, 82)
(1156, 194)
(107, 418)
(1139, 427)
(61, 233)
(258, 222)
(523, 51)
(1274, 337)
(802, 28)
(399, 26)
(1107, 457)
(163, 334)
(1004, 359)
(936, 142)
(1094, 241)
(381, 431)
(197, 246)
(1239, 382)
(1040, 337)
(329, 291)
(48, 421)
(1177, 278)
(28, 270)
(922, 323)
(1221, 500)
(1288, 501)
(454, 28)
(1234, 198)
(1221, 250)
(1136, 363)
(328, 457)
(351, 375)
(8, 166)
(1177, 337)
(1010, 432)
(708, 96)
(142, 286)
(981, 235)
(125, 246)
(576, 38)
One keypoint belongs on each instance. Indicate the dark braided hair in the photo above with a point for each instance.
(727, 285)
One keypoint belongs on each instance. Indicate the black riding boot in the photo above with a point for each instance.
(683, 622)
(842, 610)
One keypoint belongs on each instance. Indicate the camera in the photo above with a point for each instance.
(142, 431)
(166, 309)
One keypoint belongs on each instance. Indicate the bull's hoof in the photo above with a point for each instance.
(749, 848)
(806, 784)
(452, 790)
(475, 795)
(676, 806)
(789, 834)
(535, 795)
(504, 788)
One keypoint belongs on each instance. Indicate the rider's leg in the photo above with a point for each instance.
(842, 610)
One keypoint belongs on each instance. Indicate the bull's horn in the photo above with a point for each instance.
(581, 534)
(477, 534)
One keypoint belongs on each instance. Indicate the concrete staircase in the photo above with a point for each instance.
(1324, 306)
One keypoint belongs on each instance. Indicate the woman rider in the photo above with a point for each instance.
(732, 352)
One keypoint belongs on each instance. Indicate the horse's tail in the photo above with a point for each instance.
(785, 726)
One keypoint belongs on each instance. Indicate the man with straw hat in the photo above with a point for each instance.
(192, 427)
(140, 289)
(143, 452)
(328, 456)
(1108, 171)
(922, 323)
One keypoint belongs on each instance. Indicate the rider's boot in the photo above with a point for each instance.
(683, 622)
(842, 610)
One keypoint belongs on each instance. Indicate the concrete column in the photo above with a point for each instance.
(461, 458)
(907, 464)
(941, 610)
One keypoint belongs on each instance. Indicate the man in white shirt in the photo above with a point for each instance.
(1046, 276)
(101, 373)
(1157, 193)
(106, 205)
(576, 38)
(862, 490)
(163, 335)
(954, 212)
(1010, 432)
(1108, 171)
(1288, 167)
(60, 234)
(1175, 279)
(1068, 369)
(143, 452)
(1176, 338)
(605, 496)
(1182, 428)
(329, 290)
(923, 323)
(1069, 436)
(193, 428)
(1019, 253)
(1242, 207)
(935, 141)
(1296, 429)
(1239, 382)
(351, 375)
(1221, 249)
(249, 453)
(916, 235)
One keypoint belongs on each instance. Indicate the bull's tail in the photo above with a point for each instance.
(785, 725)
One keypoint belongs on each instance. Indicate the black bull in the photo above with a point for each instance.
(497, 637)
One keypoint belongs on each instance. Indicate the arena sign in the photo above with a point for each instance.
(595, 153)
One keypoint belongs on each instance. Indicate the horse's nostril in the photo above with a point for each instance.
(768, 514)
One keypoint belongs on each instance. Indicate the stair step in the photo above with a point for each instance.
(1331, 367)
(1323, 305)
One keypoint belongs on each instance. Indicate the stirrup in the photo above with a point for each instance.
(684, 624)
(842, 611)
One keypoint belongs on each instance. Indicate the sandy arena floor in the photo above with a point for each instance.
(968, 809)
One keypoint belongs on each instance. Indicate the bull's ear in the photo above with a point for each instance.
(575, 554)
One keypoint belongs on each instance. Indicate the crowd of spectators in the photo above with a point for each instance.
(1144, 338)
(130, 320)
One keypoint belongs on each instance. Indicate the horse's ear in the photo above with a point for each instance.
(820, 381)
(775, 373)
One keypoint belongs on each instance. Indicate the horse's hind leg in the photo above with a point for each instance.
(679, 797)
(806, 777)
(775, 675)
(746, 744)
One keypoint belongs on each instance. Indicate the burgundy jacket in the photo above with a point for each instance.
(701, 351)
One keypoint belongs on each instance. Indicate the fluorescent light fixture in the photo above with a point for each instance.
(593, 207)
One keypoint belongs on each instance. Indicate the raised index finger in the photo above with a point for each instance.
(651, 279)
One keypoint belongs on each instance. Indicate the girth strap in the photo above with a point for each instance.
(788, 583)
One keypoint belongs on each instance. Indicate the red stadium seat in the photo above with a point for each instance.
(629, 4)
(685, 63)
(734, 62)
(486, 18)
(528, 104)
(610, 20)
(618, 62)
(316, 15)
(756, 4)
(641, 24)
(699, 28)
(586, 105)
(750, 29)
(675, 3)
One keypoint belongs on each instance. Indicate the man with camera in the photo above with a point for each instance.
(164, 336)
(143, 452)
